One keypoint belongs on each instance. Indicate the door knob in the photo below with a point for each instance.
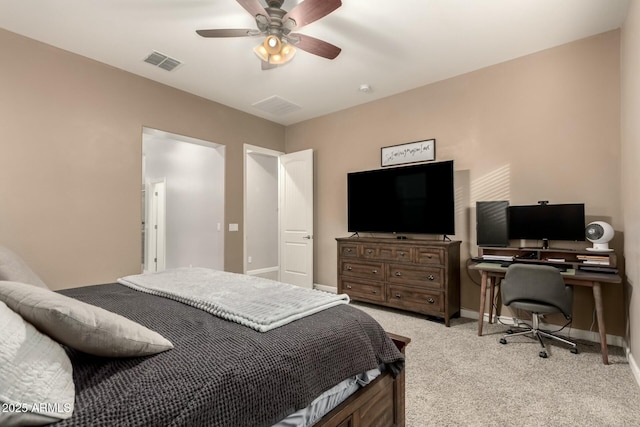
(307, 237)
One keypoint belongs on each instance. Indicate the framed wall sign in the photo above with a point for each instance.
(412, 152)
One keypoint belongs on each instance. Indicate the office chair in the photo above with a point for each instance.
(539, 289)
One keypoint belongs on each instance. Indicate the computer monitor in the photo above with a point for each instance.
(547, 222)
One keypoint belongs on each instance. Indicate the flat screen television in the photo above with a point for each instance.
(410, 199)
(547, 222)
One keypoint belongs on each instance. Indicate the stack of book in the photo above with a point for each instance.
(594, 259)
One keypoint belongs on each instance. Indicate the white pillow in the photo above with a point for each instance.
(36, 381)
(13, 268)
(79, 325)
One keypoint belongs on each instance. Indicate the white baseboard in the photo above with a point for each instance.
(259, 271)
(332, 289)
(633, 365)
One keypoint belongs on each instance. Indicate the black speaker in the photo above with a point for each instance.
(492, 225)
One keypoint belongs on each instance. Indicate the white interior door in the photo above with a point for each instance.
(155, 227)
(296, 218)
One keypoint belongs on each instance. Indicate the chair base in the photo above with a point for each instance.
(536, 332)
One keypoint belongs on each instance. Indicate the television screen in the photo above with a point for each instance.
(547, 222)
(409, 199)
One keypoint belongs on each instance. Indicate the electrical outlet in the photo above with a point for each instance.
(249, 260)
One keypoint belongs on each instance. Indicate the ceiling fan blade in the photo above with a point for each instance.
(229, 32)
(253, 7)
(311, 10)
(316, 46)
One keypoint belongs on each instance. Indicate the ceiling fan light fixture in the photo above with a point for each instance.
(267, 51)
(272, 44)
(286, 54)
(261, 52)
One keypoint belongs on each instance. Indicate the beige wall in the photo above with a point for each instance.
(70, 159)
(542, 127)
(630, 86)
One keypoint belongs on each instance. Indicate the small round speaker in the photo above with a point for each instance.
(600, 234)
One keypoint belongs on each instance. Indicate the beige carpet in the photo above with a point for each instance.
(456, 378)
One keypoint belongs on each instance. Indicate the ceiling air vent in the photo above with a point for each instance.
(276, 105)
(163, 61)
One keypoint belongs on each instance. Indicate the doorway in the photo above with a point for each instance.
(261, 217)
(278, 216)
(190, 173)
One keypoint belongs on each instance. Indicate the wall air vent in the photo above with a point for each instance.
(163, 61)
(276, 105)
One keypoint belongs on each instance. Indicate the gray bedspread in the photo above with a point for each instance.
(219, 373)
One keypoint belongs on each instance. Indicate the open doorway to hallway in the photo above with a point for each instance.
(184, 226)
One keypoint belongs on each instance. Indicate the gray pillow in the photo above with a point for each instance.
(13, 268)
(79, 325)
(36, 376)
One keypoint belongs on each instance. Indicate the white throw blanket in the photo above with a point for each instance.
(258, 303)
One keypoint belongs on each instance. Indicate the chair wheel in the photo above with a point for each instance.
(503, 341)
(543, 354)
(574, 350)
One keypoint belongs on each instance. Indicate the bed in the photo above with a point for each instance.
(222, 373)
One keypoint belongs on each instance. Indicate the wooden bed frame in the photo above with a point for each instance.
(381, 403)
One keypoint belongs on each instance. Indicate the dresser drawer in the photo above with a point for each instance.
(362, 289)
(433, 256)
(348, 250)
(419, 276)
(410, 274)
(386, 252)
(416, 299)
(365, 270)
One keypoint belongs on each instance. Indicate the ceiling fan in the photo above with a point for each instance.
(276, 25)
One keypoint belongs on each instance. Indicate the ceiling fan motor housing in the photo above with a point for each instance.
(276, 25)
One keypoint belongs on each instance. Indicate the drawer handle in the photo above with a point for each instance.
(348, 250)
(348, 268)
(431, 277)
(348, 286)
(374, 271)
(374, 291)
(398, 295)
(430, 300)
(369, 251)
(402, 254)
(429, 256)
(398, 274)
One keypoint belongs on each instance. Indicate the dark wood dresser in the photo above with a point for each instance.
(421, 276)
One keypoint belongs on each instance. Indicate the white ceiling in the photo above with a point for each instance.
(393, 45)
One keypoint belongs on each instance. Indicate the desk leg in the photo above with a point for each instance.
(492, 296)
(483, 298)
(597, 297)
